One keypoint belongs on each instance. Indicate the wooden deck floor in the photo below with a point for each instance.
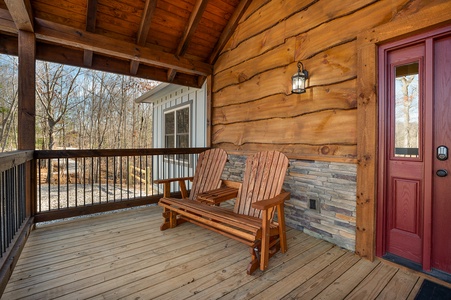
(125, 255)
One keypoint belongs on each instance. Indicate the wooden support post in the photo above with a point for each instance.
(27, 88)
(27, 109)
(209, 110)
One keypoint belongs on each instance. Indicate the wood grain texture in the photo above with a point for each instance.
(126, 255)
(252, 101)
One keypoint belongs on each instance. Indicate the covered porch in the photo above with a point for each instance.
(246, 52)
(124, 255)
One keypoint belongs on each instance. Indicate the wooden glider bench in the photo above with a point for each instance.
(251, 221)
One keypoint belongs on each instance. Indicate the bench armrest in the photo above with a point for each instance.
(268, 203)
(161, 181)
(167, 185)
(232, 184)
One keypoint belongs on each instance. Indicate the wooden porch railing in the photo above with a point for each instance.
(15, 217)
(41, 186)
(77, 182)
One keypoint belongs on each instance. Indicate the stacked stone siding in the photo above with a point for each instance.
(331, 185)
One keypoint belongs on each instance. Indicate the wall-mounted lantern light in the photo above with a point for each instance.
(298, 80)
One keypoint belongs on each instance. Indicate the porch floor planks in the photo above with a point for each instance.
(125, 255)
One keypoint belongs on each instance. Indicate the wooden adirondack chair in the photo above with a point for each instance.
(252, 219)
(207, 175)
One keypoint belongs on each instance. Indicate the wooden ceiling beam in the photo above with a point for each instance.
(21, 13)
(74, 57)
(68, 36)
(91, 15)
(229, 29)
(143, 31)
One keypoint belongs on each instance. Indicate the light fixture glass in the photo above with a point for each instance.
(298, 80)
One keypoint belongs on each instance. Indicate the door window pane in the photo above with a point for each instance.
(407, 111)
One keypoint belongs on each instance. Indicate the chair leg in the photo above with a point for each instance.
(165, 215)
(264, 258)
(253, 265)
(282, 228)
(169, 219)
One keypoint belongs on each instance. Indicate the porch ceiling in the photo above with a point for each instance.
(174, 41)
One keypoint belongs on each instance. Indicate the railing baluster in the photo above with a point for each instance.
(92, 180)
(84, 181)
(99, 170)
(76, 181)
(121, 169)
(106, 175)
(67, 182)
(114, 178)
(59, 183)
(49, 178)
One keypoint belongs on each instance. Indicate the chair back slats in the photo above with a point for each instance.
(263, 179)
(207, 176)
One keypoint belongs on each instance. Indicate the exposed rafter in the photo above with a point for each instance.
(229, 29)
(143, 31)
(21, 13)
(150, 38)
(91, 13)
(68, 36)
(190, 28)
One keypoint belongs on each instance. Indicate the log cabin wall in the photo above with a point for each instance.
(253, 108)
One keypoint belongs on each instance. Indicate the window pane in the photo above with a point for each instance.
(182, 141)
(407, 111)
(169, 123)
(169, 141)
(183, 120)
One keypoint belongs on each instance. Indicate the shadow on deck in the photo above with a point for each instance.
(124, 255)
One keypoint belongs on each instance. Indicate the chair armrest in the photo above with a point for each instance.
(232, 184)
(167, 185)
(161, 181)
(268, 203)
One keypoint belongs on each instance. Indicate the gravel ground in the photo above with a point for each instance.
(72, 195)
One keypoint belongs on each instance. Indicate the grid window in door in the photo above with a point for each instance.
(176, 125)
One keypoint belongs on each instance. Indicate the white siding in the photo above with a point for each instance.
(170, 97)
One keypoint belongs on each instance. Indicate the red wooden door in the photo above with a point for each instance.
(405, 154)
(415, 199)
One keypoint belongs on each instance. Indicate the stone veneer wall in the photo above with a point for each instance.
(331, 185)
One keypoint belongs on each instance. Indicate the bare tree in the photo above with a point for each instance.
(54, 88)
(8, 102)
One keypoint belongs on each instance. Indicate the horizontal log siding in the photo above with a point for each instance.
(253, 107)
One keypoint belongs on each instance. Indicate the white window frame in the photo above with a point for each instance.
(173, 110)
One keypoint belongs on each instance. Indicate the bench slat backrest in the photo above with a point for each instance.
(207, 177)
(263, 179)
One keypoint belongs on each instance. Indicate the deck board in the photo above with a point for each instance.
(125, 255)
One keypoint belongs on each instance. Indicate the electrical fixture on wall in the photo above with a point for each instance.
(299, 79)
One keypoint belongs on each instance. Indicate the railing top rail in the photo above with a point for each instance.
(11, 159)
(114, 152)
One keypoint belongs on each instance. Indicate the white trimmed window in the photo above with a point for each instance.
(177, 127)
